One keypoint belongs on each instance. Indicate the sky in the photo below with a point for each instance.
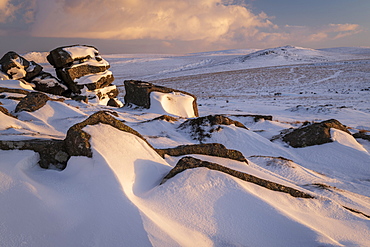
(182, 26)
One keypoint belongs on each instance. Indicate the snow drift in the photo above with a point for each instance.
(115, 198)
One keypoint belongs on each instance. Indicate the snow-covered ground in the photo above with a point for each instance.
(114, 198)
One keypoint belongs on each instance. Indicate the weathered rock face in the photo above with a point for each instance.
(62, 57)
(77, 140)
(362, 135)
(85, 73)
(212, 149)
(52, 152)
(105, 96)
(164, 118)
(202, 127)
(47, 83)
(105, 80)
(32, 102)
(314, 134)
(73, 63)
(70, 75)
(17, 67)
(56, 153)
(191, 163)
(138, 93)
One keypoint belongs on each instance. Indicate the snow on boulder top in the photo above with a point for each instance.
(66, 56)
(78, 52)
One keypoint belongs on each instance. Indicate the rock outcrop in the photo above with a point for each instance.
(32, 102)
(138, 93)
(212, 149)
(17, 67)
(202, 127)
(362, 135)
(86, 73)
(191, 163)
(47, 83)
(77, 140)
(313, 134)
(56, 153)
(52, 152)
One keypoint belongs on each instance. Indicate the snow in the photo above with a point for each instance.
(37, 57)
(346, 139)
(16, 84)
(92, 78)
(77, 52)
(82, 52)
(174, 103)
(115, 197)
(50, 82)
(17, 72)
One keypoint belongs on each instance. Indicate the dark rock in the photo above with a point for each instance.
(138, 93)
(82, 98)
(77, 140)
(103, 81)
(110, 92)
(70, 74)
(100, 96)
(32, 102)
(114, 103)
(256, 117)
(18, 67)
(202, 127)
(191, 163)
(163, 117)
(47, 83)
(52, 152)
(33, 70)
(314, 134)
(212, 149)
(60, 57)
(362, 135)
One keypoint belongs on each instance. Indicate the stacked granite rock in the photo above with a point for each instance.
(16, 67)
(85, 73)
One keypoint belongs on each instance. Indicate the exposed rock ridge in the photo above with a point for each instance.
(77, 140)
(137, 93)
(190, 163)
(56, 153)
(212, 149)
(202, 127)
(313, 134)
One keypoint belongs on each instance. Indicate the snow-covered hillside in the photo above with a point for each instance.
(118, 196)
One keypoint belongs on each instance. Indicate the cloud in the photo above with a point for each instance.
(208, 20)
(17, 11)
(6, 10)
(322, 33)
(207, 24)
